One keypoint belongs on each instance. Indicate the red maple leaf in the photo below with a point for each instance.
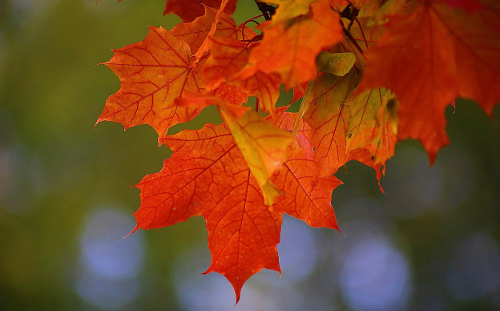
(262, 145)
(431, 57)
(188, 10)
(290, 47)
(228, 56)
(195, 33)
(207, 175)
(369, 72)
(154, 72)
(350, 126)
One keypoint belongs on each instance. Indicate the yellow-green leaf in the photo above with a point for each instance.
(263, 146)
(338, 64)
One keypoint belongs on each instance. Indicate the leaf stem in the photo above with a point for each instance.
(348, 34)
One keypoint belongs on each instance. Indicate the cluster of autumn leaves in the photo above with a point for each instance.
(367, 72)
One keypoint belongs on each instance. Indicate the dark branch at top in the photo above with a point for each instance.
(266, 9)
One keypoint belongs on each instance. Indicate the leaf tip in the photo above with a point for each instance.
(236, 285)
(97, 122)
(432, 148)
(432, 157)
(134, 230)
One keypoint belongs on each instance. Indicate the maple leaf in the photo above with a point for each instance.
(298, 91)
(159, 69)
(436, 54)
(204, 46)
(491, 13)
(227, 57)
(376, 11)
(262, 144)
(188, 10)
(349, 60)
(468, 5)
(338, 64)
(207, 175)
(231, 95)
(194, 33)
(328, 126)
(306, 197)
(289, 9)
(152, 73)
(349, 126)
(290, 47)
(362, 37)
(372, 131)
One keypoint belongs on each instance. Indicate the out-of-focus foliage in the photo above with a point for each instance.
(430, 243)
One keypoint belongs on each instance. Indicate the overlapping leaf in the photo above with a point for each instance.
(290, 47)
(194, 33)
(207, 175)
(156, 71)
(228, 56)
(338, 64)
(364, 36)
(188, 10)
(306, 197)
(490, 12)
(372, 131)
(376, 12)
(152, 73)
(230, 94)
(204, 46)
(437, 53)
(262, 144)
(289, 9)
(241, 176)
(349, 126)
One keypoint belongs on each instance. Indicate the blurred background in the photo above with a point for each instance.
(431, 242)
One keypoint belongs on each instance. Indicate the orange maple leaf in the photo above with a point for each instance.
(227, 57)
(290, 47)
(204, 46)
(207, 175)
(372, 131)
(188, 10)
(194, 33)
(230, 94)
(288, 10)
(262, 144)
(242, 175)
(350, 126)
(307, 197)
(431, 57)
(159, 69)
(152, 73)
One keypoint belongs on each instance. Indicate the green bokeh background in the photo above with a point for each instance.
(61, 167)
